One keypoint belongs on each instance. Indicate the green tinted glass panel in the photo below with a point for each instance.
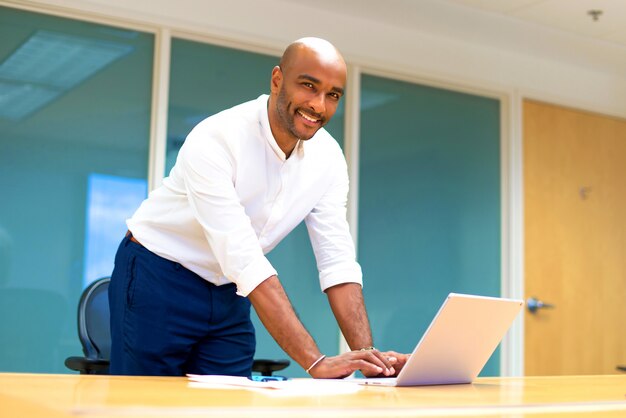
(74, 134)
(429, 204)
(205, 79)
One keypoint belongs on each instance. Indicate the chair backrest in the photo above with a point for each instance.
(94, 320)
(94, 332)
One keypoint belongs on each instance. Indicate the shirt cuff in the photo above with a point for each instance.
(344, 273)
(253, 275)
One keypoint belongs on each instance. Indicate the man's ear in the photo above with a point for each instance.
(277, 79)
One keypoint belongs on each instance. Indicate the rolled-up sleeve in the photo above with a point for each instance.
(208, 171)
(330, 235)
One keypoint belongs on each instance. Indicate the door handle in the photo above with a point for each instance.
(533, 304)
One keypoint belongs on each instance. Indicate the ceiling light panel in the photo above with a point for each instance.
(60, 60)
(19, 100)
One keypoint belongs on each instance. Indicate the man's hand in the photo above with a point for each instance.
(369, 362)
(276, 313)
(397, 359)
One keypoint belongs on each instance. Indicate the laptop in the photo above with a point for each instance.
(457, 344)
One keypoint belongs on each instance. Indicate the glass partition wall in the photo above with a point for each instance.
(429, 204)
(74, 134)
(75, 100)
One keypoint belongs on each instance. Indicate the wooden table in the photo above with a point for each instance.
(50, 396)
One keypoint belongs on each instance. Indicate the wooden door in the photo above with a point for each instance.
(575, 240)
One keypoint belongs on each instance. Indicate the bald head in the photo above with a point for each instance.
(305, 90)
(323, 50)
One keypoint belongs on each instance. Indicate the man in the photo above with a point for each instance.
(193, 259)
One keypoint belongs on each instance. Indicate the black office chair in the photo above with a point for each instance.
(93, 330)
(95, 335)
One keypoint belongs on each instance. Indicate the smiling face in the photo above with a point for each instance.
(305, 91)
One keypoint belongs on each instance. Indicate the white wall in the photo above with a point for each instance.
(437, 43)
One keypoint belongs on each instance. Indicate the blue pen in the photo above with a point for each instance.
(257, 378)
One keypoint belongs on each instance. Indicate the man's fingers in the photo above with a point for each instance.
(367, 367)
(400, 359)
(370, 362)
(345, 364)
(381, 360)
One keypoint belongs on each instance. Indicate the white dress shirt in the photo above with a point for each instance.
(232, 196)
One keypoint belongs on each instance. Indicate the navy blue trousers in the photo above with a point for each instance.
(168, 321)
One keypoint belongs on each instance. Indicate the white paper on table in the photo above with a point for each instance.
(292, 387)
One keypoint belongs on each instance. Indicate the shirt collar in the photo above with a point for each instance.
(264, 122)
